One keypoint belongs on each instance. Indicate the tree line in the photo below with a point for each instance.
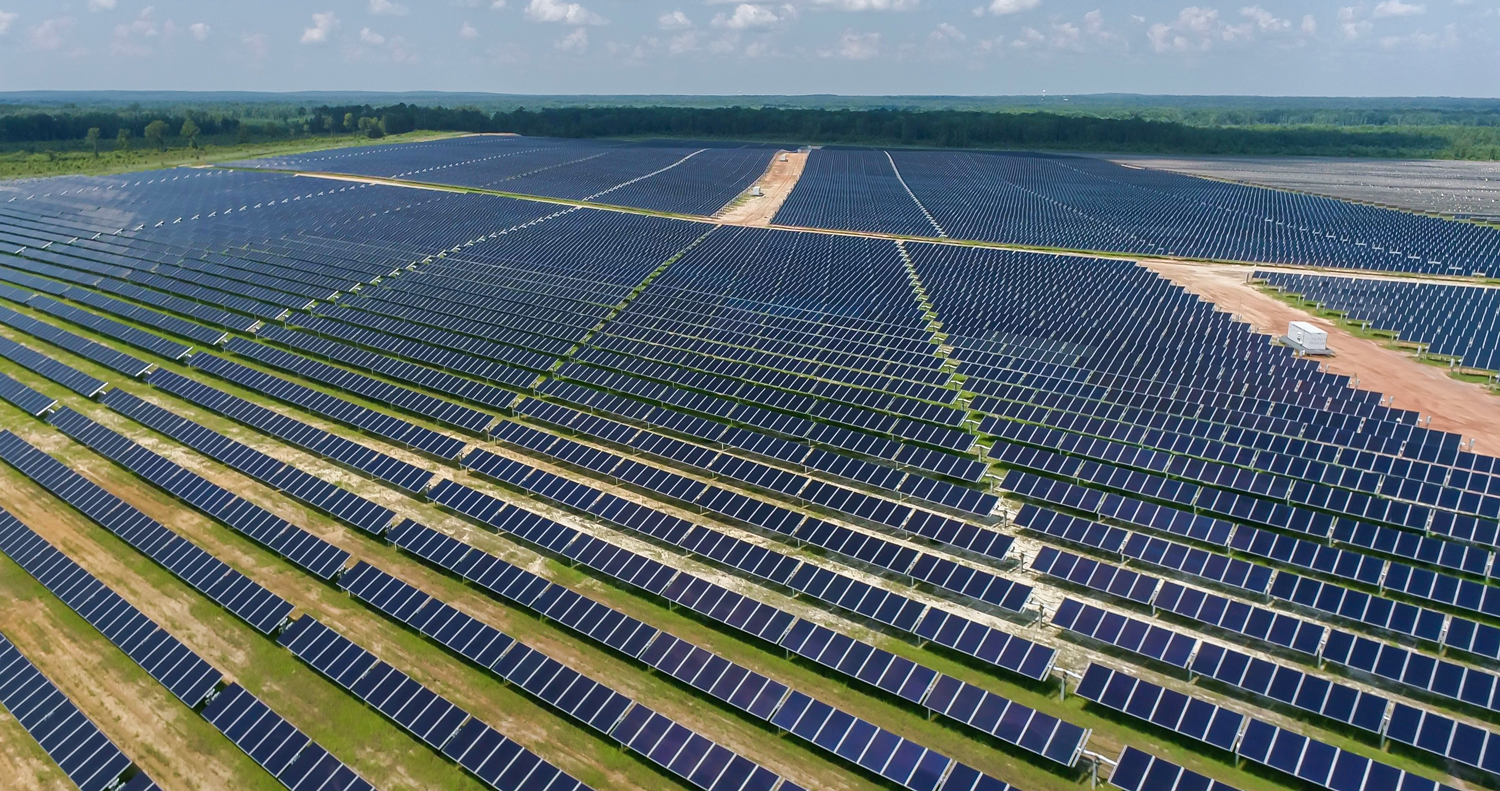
(798, 126)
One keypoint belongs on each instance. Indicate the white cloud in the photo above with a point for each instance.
(133, 38)
(855, 46)
(256, 44)
(1030, 38)
(684, 43)
(566, 13)
(50, 34)
(1309, 24)
(199, 31)
(1264, 20)
(1196, 30)
(370, 37)
(751, 15)
(577, 41)
(6, 17)
(946, 32)
(497, 5)
(323, 24)
(1351, 25)
(387, 8)
(1422, 40)
(676, 20)
(1398, 8)
(1006, 7)
(871, 5)
(102, 5)
(468, 31)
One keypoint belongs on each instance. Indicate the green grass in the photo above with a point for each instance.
(18, 162)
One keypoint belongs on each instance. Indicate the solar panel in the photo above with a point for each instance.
(295, 760)
(1276, 629)
(24, 398)
(72, 740)
(1292, 687)
(1146, 639)
(160, 654)
(1323, 764)
(298, 546)
(1087, 572)
(67, 376)
(1188, 716)
(1443, 736)
(262, 610)
(1136, 770)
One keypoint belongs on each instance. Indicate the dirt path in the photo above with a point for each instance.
(1454, 406)
(775, 186)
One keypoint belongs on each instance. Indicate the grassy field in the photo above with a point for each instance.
(18, 161)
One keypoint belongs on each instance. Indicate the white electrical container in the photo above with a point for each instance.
(1307, 337)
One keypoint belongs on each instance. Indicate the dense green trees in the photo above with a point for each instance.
(1461, 132)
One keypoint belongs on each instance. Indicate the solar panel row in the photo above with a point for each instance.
(262, 610)
(431, 718)
(341, 504)
(67, 376)
(70, 739)
(876, 511)
(860, 547)
(301, 548)
(24, 398)
(1136, 770)
(83, 347)
(297, 762)
(160, 654)
(1324, 765)
(760, 562)
(742, 689)
(674, 747)
(1182, 714)
(367, 420)
(339, 450)
(406, 400)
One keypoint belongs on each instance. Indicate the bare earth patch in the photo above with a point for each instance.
(1456, 406)
(775, 186)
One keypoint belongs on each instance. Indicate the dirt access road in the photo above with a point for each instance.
(775, 186)
(1456, 406)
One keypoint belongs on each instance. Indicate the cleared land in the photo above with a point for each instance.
(1425, 185)
(775, 186)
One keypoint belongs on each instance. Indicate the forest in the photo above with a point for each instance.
(1428, 128)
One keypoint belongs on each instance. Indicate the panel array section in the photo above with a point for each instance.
(674, 747)
(331, 446)
(262, 610)
(70, 738)
(177, 667)
(301, 548)
(341, 504)
(274, 744)
(742, 689)
(1086, 203)
(432, 719)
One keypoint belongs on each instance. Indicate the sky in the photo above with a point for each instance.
(859, 47)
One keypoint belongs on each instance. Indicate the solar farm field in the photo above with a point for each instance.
(315, 483)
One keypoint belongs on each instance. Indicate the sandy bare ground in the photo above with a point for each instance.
(775, 186)
(1461, 407)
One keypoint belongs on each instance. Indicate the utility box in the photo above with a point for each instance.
(755, 192)
(1307, 337)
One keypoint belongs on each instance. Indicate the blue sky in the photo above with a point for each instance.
(1370, 47)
